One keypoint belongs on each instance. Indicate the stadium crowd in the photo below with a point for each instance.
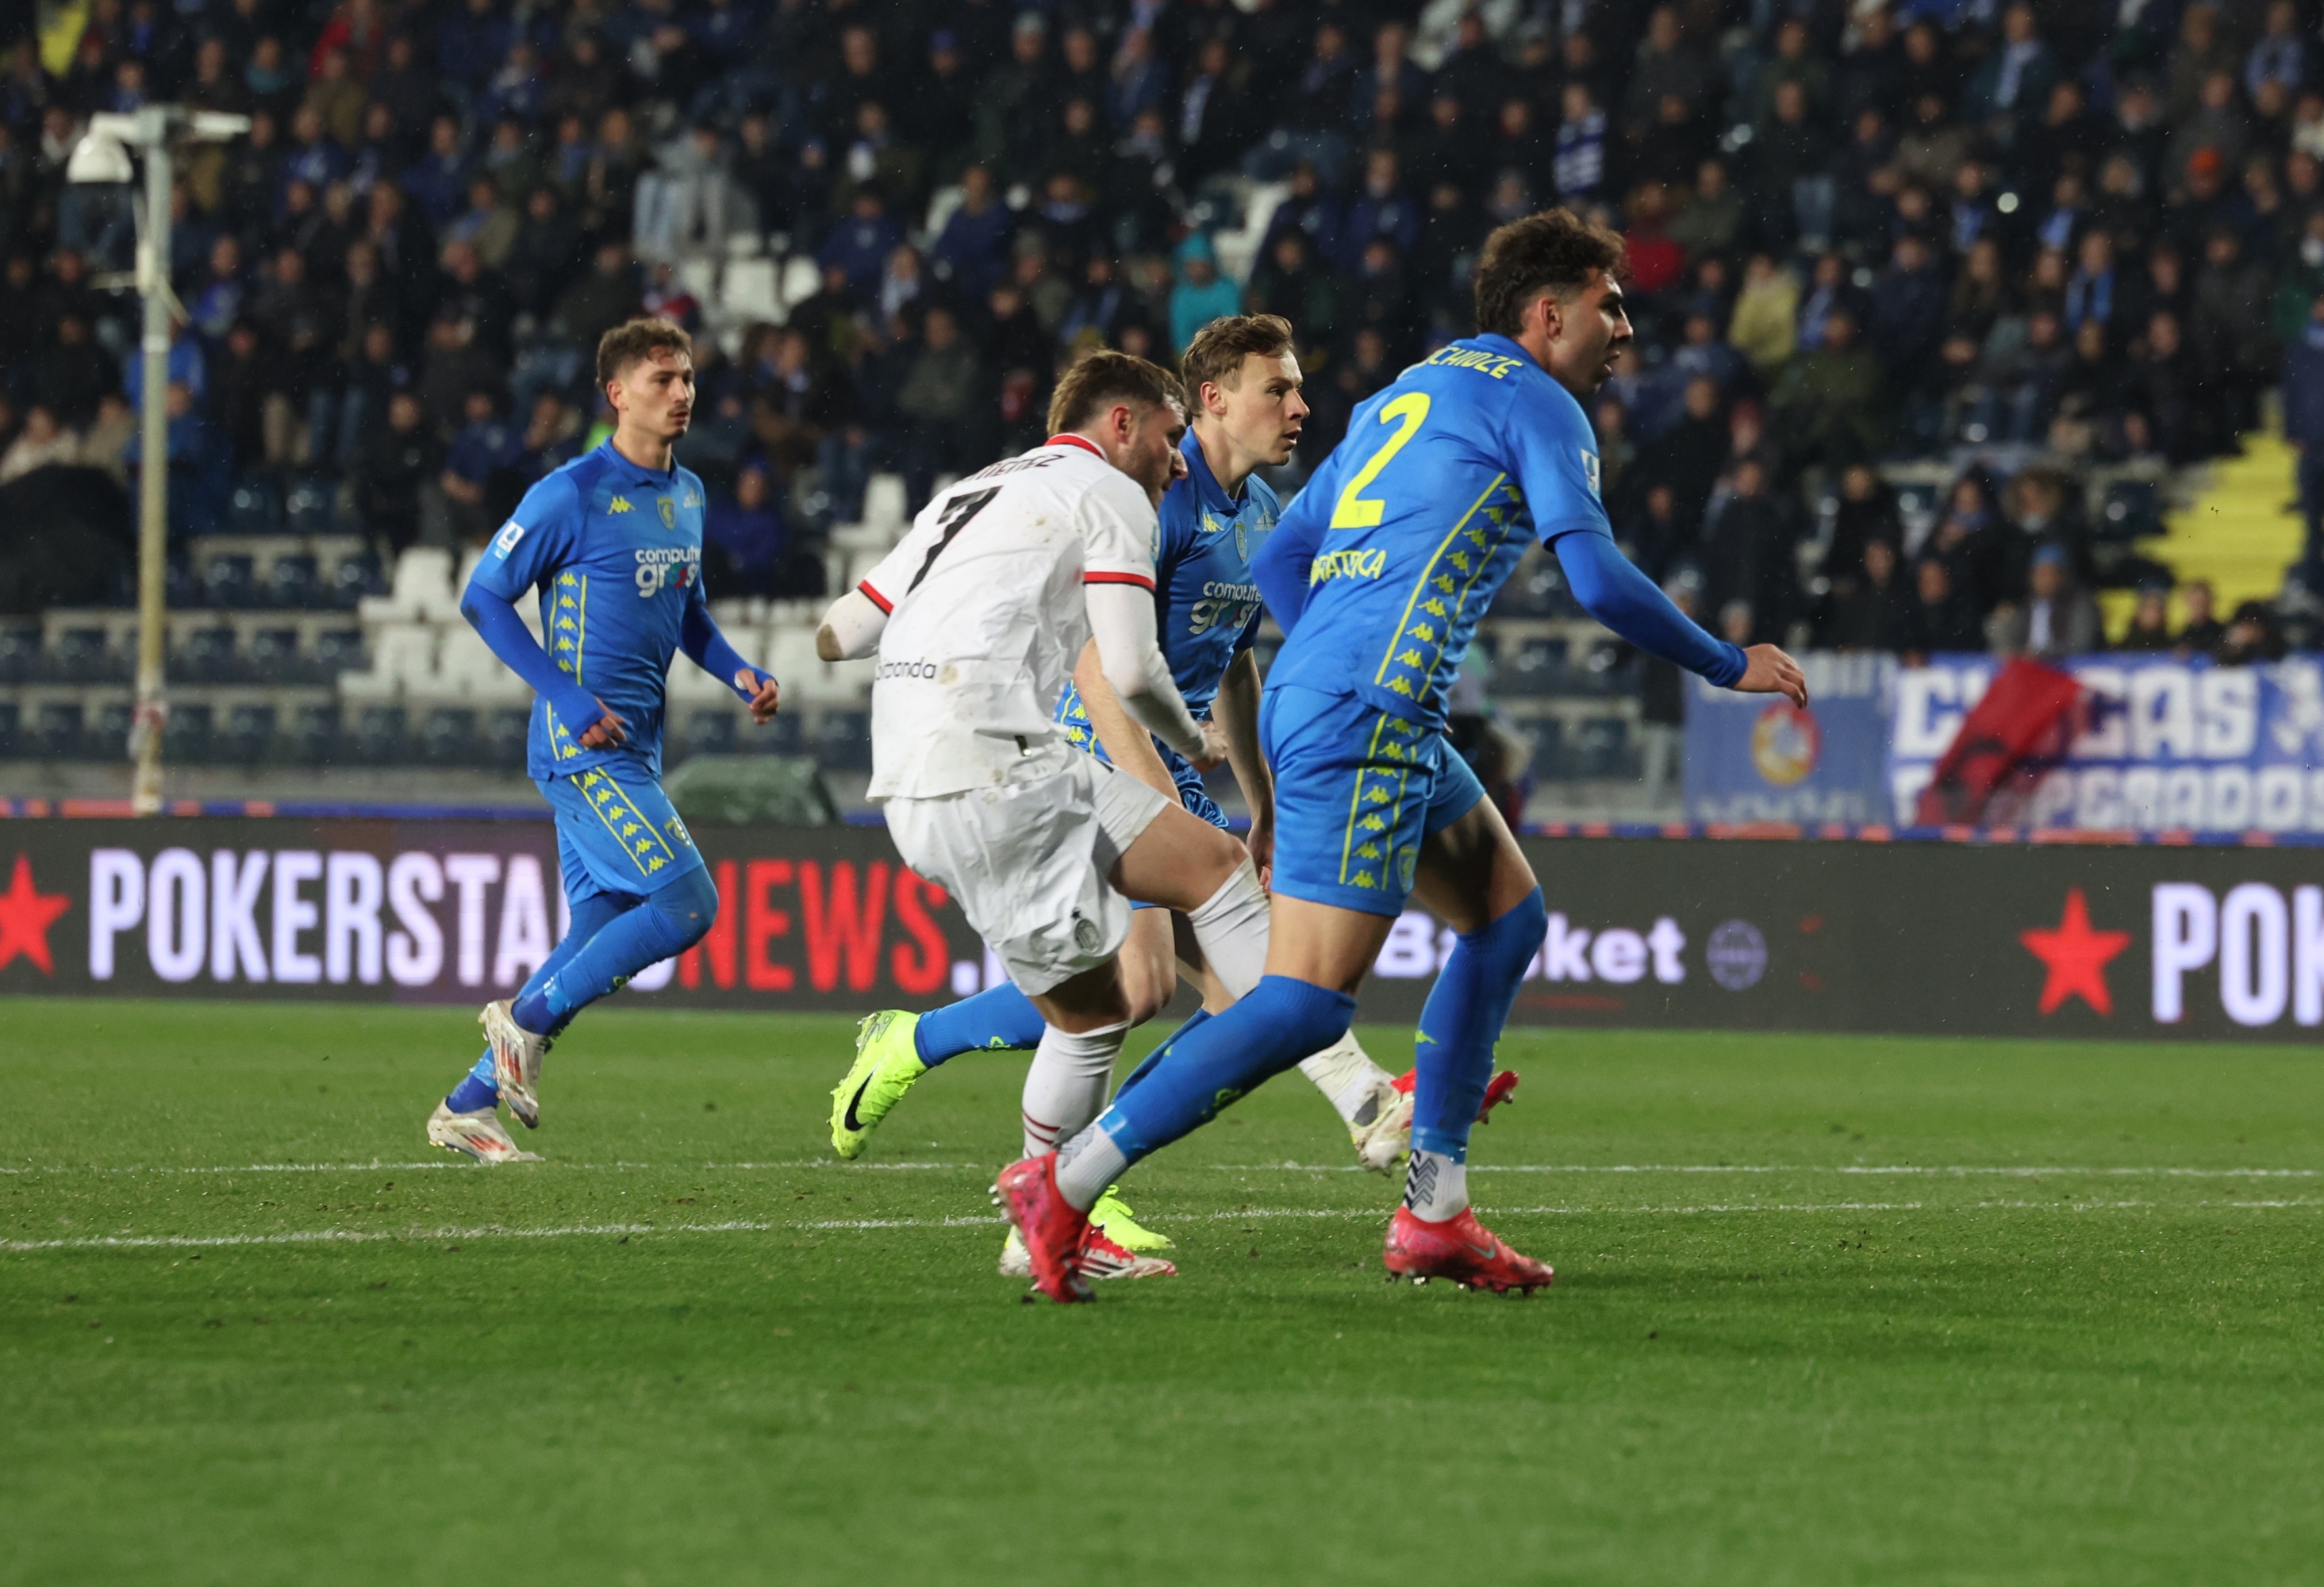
(2031, 240)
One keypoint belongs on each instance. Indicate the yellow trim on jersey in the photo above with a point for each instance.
(1420, 587)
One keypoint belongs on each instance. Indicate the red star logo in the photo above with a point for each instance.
(2076, 957)
(26, 916)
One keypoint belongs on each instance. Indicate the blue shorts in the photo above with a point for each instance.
(618, 832)
(1356, 791)
(1191, 793)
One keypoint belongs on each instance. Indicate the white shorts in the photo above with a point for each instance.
(1028, 862)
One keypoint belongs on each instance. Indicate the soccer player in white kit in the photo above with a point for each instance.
(987, 603)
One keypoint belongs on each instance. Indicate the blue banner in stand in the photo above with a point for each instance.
(1759, 758)
(2169, 743)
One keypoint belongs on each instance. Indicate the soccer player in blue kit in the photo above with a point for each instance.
(1244, 382)
(613, 540)
(1378, 573)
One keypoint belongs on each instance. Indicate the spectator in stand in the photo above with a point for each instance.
(1662, 702)
(1201, 294)
(1831, 400)
(2056, 618)
(1940, 621)
(2253, 636)
(1869, 610)
(42, 441)
(1766, 314)
(938, 402)
(742, 536)
(2149, 628)
(2303, 424)
(2202, 633)
(481, 470)
(1748, 556)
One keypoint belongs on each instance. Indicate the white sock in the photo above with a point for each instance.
(1086, 1165)
(1067, 1085)
(1435, 1188)
(1349, 1079)
(1231, 926)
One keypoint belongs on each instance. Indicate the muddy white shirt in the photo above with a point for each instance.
(986, 617)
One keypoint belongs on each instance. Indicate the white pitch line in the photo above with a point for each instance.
(2011, 1171)
(363, 1236)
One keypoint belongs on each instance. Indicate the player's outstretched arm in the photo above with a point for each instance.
(851, 630)
(1122, 627)
(495, 616)
(1630, 604)
(1128, 746)
(700, 638)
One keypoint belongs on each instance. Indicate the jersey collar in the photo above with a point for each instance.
(1207, 488)
(1083, 442)
(637, 474)
(1505, 346)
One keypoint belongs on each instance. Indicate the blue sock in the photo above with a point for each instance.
(1279, 1023)
(1193, 1024)
(998, 1016)
(1463, 1020)
(591, 913)
(476, 1090)
(669, 921)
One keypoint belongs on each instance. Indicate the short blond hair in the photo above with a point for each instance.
(1215, 355)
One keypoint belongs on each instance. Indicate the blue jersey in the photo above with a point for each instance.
(1414, 520)
(1206, 604)
(616, 549)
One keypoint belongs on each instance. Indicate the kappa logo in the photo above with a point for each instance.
(620, 504)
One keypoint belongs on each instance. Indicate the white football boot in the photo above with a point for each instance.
(516, 1061)
(1381, 1144)
(1099, 1258)
(479, 1134)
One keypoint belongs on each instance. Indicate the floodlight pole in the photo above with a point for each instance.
(102, 157)
(152, 711)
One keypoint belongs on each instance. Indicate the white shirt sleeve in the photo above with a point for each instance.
(1122, 622)
(854, 624)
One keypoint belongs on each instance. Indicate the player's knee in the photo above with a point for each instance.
(690, 905)
(1513, 938)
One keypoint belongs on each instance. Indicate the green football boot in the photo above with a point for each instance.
(1113, 1215)
(885, 1067)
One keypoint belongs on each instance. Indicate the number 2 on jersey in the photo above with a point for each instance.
(1354, 509)
(955, 518)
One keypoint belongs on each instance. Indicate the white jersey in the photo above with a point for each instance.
(986, 617)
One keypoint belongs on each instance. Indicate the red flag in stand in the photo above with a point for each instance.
(2017, 730)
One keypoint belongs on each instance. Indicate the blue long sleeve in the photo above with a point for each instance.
(701, 640)
(1281, 567)
(1627, 600)
(504, 632)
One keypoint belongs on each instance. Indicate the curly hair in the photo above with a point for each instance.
(1551, 252)
(635, 341)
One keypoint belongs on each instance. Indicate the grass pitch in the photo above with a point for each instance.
(1828, 1310)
